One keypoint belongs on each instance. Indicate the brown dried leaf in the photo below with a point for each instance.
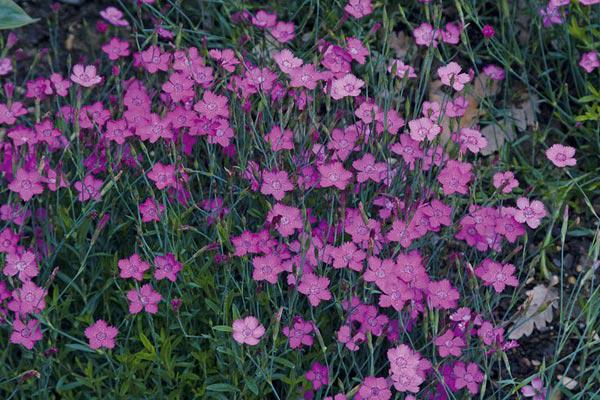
(537, 311)
(399, 42)
(496, 135)
(524, 113)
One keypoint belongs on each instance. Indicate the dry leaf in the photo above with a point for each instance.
(399, 42)
(567, 382)
(537, 311)
(496, 135)
(524, 114)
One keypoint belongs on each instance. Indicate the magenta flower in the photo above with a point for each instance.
(442, 295)
(100, 334)
(283, 32)
(179, 87)
(145, 298)
(318, 375)
(263, 19)
(561, 156)
(488, 31)
(468, 376)
(24, 264)
(162, 175)
(114, 16)
(266, 268)
(212, 106)
(589, 61)
(9, 241)
(116, 49)
(286, 60)
(151, 210)
(248, 331)
(497, 275)
(505, 181)
(334, 174)
(451, 75)
(153, 59)
(315, 288)
(300, 333)
(25, 334)
(494, 72)
(85, 75)
(449, 344)
(407, 368)
(530, 213)
(287, 219)
(305, 76)
(348, 255)
(280, 139)
(535, 390)
(133, 267)
(425, 35)
(423, 128)
(27, 184)
(167, 267)
(401, 69)
(357, 50)
(349, 85)
(359, 8)
(276, 183)
(455, 177)
(374, 388)
(28, 299)
(367, 169)
(89, 188)
(472, 140)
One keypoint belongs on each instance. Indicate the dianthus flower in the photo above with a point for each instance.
(167, 267)
(505, 181)
(497, 275)
(145, 298)
(100, 334)
(26, 334)
(349, 85)
(451, 75)
(85, 75)
(561, 156)
(248, 331)
(315, 288)
(449, 344)
(300, 333)
(529, 212)
(22, 264)
(318, 375)
(162, 175)
(27, 184)
(334, 174)
(276, 183)
(133, 267)
(468, 376)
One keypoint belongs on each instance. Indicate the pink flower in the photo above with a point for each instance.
(167, 267)
(468, 376)
(153, 59)
(85, 75)
(318, 375)
(61, 85)
(179, 87)
(276, 183)
(449, 344)
(89, 188)
(248, 331)
(286, 60)
(488, 31)
(305, 76)
(348, 255)
(407, 368)
(212, 106)
(423, 128)
(28, 299)
(300, 333)
(472, 140)
(334, 174)
(9, 241)
(531, 213)
(116, 49)
(114, 16)
(497, 275)
(455, 177)
(162, 175)
(133, 267)
(287, 219)
(315, 287)
(494, 72)
(561, 156)
(263, 19)
(225, 57)
(425, 35)
(117, 131)
(280, 139)
(442, 295)
(401, 69)
(9, 114)
(266, 268)
(100, 334)
(283, 32)
(359, 8)
(5, 66)
(349, 85)
(143, 299)
(151, 210)
(24, 264)
(589, 61)
(374, 388)
(26, 334)
(535, 390)
(27, 184)
(357, 50)
(505, 181)
(368, 169)
(451, 75)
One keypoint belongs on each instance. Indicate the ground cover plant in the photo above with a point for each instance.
(319, 199)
